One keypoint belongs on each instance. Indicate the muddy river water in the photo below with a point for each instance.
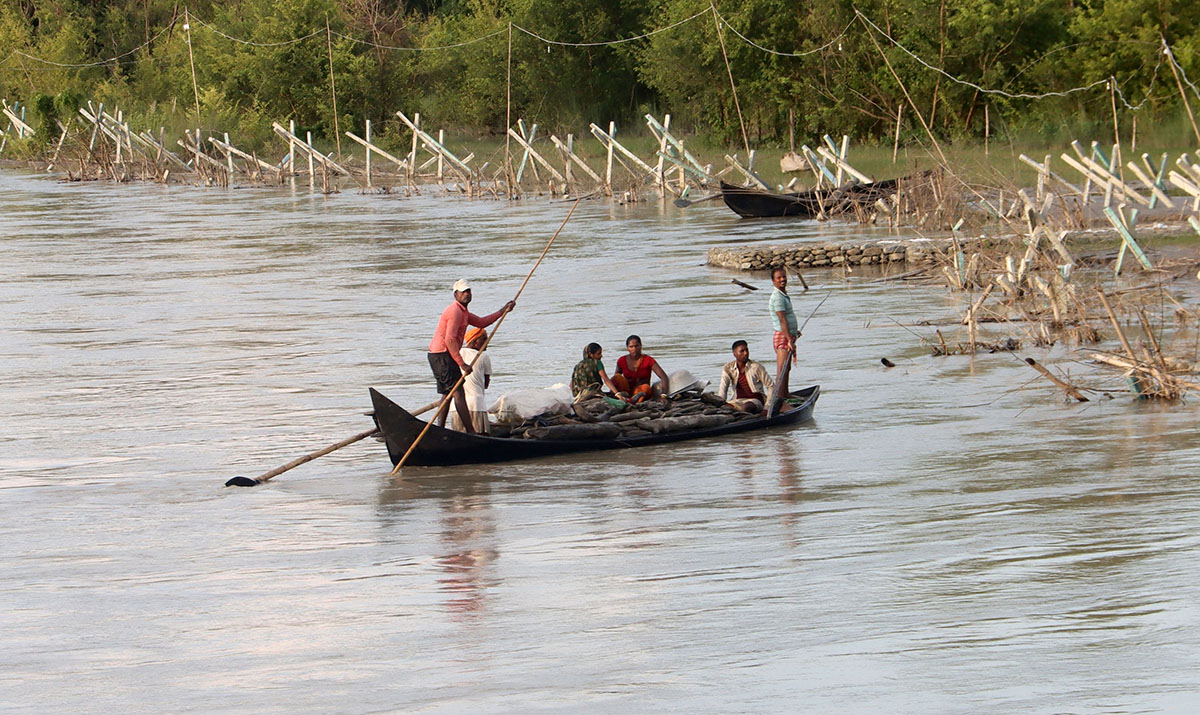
(946, 536)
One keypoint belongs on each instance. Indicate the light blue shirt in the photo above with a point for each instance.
(783, 301)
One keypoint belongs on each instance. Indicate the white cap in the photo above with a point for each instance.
(461, 284)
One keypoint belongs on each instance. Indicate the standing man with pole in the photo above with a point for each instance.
(787, 328)
(445, 358)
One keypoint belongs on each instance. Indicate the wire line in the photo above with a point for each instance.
(97, 63)
(983, 90)
(481, 38)
(548, 41)
(748, 41)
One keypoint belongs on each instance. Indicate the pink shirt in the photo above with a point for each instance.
(452, 328)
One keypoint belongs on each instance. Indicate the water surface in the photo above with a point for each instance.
(946, 536)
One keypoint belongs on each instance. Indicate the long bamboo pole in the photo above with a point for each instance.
(247, 482)
(911, 103)
(737, 105)
(500, 322)
(508, 172)
(187, 27)
(1186, 105)
(337, 134)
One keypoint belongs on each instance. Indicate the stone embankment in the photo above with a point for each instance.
(827, 255)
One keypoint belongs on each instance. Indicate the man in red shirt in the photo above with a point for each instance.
(445, 359)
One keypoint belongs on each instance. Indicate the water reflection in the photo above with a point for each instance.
(466, 536)
(789, 471)
(468, 541)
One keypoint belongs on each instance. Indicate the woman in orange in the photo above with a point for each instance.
(635, 370)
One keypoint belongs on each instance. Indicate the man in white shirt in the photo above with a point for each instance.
(476, 382)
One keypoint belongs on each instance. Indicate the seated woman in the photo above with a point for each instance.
(634, 372)
(589, 374)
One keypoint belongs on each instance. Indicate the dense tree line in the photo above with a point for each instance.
(817, 62)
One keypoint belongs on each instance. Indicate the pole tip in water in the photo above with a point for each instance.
(887, 363)
(242, 482)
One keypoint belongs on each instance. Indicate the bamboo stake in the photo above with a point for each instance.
(748, 173)
(1045, 169)
(227, 147)
(291, 157)
(1162, 363)
(1137, 366)
(818, 166)
(896, 144)
(433, 146)
(567, 149)
(400, 163)
(1068, 387)
(612, 143)
(612, 134)
(62, 137)
(1116, 158)
(1118, 222)
(311, 174)
(308, 149)
(441, 162)
(701, 175)
(675, 142)
(1157, 192)
(415, 125)
(1116, 325)
(843, 165)
(228, 154)
(662, 148)
(974, 309)
(529, 151)
(450, 394)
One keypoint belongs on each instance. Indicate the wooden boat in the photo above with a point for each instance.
(752, 203)
(442, 447)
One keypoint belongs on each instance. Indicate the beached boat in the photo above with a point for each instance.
(753, 203)
(444, 447)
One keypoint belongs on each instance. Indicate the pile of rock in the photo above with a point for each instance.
(598, 418)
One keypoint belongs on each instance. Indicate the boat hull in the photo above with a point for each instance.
(443, 447)
(752, 203)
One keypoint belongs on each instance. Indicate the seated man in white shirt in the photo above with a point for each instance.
(747, 379)
(478, 381)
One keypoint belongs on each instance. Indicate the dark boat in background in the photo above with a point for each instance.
(441, 446)
(814, 203)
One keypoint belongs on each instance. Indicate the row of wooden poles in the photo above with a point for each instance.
(535, 162)
(1127, 189)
